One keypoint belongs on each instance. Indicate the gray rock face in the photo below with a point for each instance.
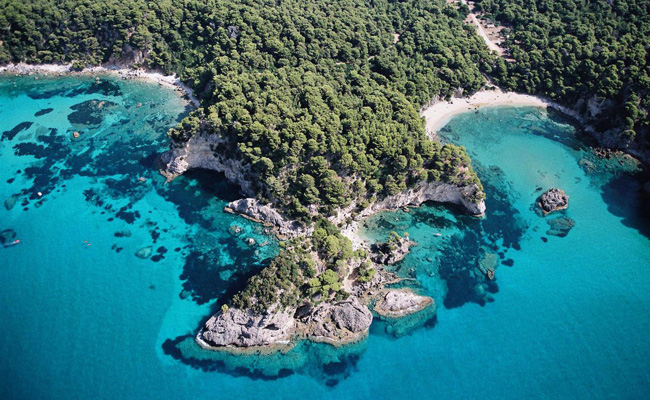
(243, 328)
(397, 303)
(428, 191)
(200, 151)
(266, 213)
(337, 323)
(552, 200)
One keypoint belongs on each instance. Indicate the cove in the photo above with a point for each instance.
(566, 317)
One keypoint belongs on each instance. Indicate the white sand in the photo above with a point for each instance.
(440, 113)
(351, 231)
(125, 73)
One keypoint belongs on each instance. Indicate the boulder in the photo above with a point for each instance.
(560, 226)
(553, 200)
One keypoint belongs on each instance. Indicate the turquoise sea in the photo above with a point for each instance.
(567, 316)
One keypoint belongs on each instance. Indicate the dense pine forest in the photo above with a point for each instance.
(573, 50)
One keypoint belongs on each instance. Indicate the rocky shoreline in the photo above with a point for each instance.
(333, 322)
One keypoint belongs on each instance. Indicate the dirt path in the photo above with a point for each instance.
(473, 19)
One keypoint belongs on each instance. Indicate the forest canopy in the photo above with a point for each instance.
(573, 50)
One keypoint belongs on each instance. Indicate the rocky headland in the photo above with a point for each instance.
(324, 310)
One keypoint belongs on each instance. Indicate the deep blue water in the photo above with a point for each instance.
(566, 317)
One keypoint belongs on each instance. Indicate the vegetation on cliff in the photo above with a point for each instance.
(308, 269)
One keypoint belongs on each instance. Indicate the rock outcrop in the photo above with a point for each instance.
(390, 252)
(553, 200)
(265, 213)
(399, 303)
(244, 328)
(336, 323)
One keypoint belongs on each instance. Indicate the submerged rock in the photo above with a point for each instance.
(7, 236)
(553, 200)
(144, 252)
(487, 264)
(560, 226)
(10, 202)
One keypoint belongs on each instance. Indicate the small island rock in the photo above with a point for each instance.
(553, 200)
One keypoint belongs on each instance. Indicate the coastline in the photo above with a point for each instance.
(439, 114)
(171, 81)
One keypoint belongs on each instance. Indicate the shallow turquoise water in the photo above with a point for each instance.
(568, 319)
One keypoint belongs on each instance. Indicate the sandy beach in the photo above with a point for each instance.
(171, 81)
(439, 114)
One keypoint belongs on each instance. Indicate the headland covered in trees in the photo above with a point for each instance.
(312, 108)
